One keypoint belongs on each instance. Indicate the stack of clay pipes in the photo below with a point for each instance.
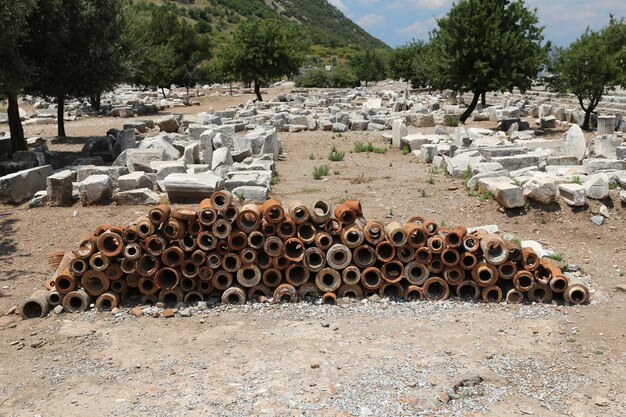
(307, 252)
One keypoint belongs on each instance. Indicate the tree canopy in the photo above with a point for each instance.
(408, 63)
(486, 45)
(369, 66)
(262, 51)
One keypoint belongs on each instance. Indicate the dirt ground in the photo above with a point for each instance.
(355, 359)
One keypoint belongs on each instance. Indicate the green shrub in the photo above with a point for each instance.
(451, 120)
(342, 77)
(336, 155)
(314, 79)
(319, 172)
(367, 147)
(406, 150)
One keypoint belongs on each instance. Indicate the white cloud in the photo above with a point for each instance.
(339, 4)
(419, 28)
(368, 2)
(420, 4)
(372, 21)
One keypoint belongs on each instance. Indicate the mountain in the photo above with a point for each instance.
(329, 32)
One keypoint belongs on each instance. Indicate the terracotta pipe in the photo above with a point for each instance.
(198, 257)
(296, 275)
(494, 249)
(272, 277)
(231, 213)
(416, 273)
(468, 261)
(248, 256)
(273, 211)
(485, 274)
(131, 297)
(36, 306)
(53, 298)
(393, 271)
(515, 252)
(110, 244)
(167, 278)
(148, 300)
(222, 247)
(221, 229)
(206, 241)
(231, 262)
(193, 298)
(222, 280)
(352, 236)
(333, 227)
(159, 214)
(540, 293)
(78, 267)
(507, 270)
(189, 269)
(307, 233)
(213, 260)
(174, 229)
(249, 276)
(345, 214)
(273, 246)
(268, 229)
(471, 243)
(221, 200)
(118, 286)
(454, 275)
(130, 235)
(114, 272)
(450, 257)
(286, 229)
(364, 256)
(132, 280)
(132, 251)
(314, 259)
(98, 262)
(234, 296)
(355, 206)
(145, 227)
(155, 245)
(147, 265)
(187, 284)
(329, 298)
(436, 289)
(417, 219)
(514, 296)
(391, 290)
(558, 284)
(237, 240)
(76, 301)
(577, 292)
(256, 240)
(423, 255)
(294, 249)
(405, 254)
(323, 241)
(172, 296)
(523, 281)
(172, 256)
(249, 218)
(86, 247)
(207, 215)
(374, 232)
(372, 278)
(194, 228)
(436, 266)
(280, 262)
(385, 251)
(259, 293)
(436, 244)
(338, 256)
(430, 226)
(107, 301)
(95, 283)
(204, 287)
(396, 234)
(350, 291)
(285, 293)
(205, 273)
(328, 280)
(351, 275)
(186, 214)
(413, 293)
(263, 260)
(299, 212)
(319, 211)
(454, 238)
(545, 271)
(530, 260)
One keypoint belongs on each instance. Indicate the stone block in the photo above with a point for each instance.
(248, 178)
(140, 196)
(22, 185)
(252, 193)
(574, 143)
(133, 181)
(170, 167)
(507, 194)
(594, 165)
(141, 127)
(359, 125)
(429, 152)
(547, 122)
(597, 186)
(542, 190)
(605, 146)
(573, 194)
(169, 125)
(60, 189)
(114, 172)
(170, 153)
(398, 131)
(221, 157)
(140, 159)
(191, 187)
(516, 162)
(423, 120)
(458, 164)
(95, 189)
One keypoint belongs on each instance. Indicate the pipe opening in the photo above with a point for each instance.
(205, 240)
(193, 298)
(221, 229)
(238, 241)
(413, 295)
(256, 240)
(393, 270)
(391, 291)
(98, 262)
(468, 261)
(540, 293)
(106, 304)
(249, 220)
(197, 258)
(559, 284)
(514, 297)
(230, 262)
(325, 241)
(454, 275)
(329, 300)
(450, 257)
(269, 229)
(130, 235)
(144, 229)
(170, 230)
(156, 216)
(436, 265)
(173, 257)
(155, 245)
(186, 284)
(282, 262)
(485, 275)
(272, 278)
(204, 286)
(248, 256)
(495, 251)
(294, 249)
(208, 217)
(371, 278)
(436, 290)
(352, 275)
(32, 309)
(422, 256)
(285, 298)
(385, 251)
(531, 260)
(468, 292)
(348, 217)
(76, 303)
(398, 238)
(350, 294)
(416, 273)
(54, 298)
(147, 285)
(95, 283)
(223, 280)
(231, 213)
(453, 239)
(507, 270)
(493, 296)
(166, 278)
(436, 244)
(328, 280)
(321, 208)
(353, 236)
(339, 256)
(273, 246)
(298, 275)
(306, 232)
(365, 256)
(220, 200)
(213, 260)
(190, 268)
(170, 298)
(375, 232)
(117, 286)
(315, 259)
(299, 213)
(524, 281)
(274, 213)
(147, 263)
(577, 295)
(249, 273)
(79, 266)
(286, 229)
(233, 299)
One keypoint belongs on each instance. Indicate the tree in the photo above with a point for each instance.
(76, 47)
(486, 45)
(408, 63)
(15, 68)
(368, 66)
(264, 50)
(591, 66)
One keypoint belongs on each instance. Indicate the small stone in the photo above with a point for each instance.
(620, 287)
(600, 401)
(168, 312)
(325, 324)
(597, 220)
(375, 298)
(444, 397)
(12, 310)
(315, 365)
(604, 211)
(58, 309)
(137, 312)
(335, 327)
(115, 310)
(159, 304)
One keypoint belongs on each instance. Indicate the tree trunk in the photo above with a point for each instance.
(163, 92)
(94, 100)
(15, 125)
(471, 107)
(483, 99)
(585, 125)
(231, 89)
(257, 90)
(590, 108)
(60, 113)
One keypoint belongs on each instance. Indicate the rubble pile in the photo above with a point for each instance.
(305, 252)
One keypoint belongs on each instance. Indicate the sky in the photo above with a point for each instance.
(397, 22)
